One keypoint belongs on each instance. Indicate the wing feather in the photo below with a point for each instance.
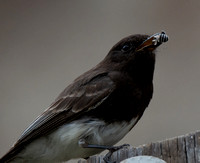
(72, 102)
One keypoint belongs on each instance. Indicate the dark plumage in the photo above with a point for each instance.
(106, 101)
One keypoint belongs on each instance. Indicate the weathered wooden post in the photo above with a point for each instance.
(181, 149)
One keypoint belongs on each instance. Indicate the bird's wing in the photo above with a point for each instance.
(72, 102)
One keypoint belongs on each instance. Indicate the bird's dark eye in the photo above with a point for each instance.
(126, 47)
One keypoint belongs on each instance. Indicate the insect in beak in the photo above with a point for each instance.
(153, 41)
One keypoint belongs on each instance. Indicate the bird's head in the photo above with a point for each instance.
(135, 54)
(136, 45)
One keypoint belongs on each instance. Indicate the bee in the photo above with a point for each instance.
(159, 38)
(154, 40)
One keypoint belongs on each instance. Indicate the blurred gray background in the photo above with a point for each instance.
(45, 45)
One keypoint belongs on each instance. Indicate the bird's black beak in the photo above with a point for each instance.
(153, 41)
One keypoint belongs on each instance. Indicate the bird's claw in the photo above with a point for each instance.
(113, 149)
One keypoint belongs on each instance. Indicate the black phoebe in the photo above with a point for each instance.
(97, 110)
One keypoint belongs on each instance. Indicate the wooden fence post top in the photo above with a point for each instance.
(181, 149)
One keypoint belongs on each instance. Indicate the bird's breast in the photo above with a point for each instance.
(124, 104)
(62, 144)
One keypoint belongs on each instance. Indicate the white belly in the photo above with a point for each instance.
(62, 144)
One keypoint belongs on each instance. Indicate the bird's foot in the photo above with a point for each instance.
(112, 149)
(107, 157)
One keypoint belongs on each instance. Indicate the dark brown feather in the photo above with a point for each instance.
(118, 89)
(69, 105)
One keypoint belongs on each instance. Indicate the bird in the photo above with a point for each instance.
(97, 109)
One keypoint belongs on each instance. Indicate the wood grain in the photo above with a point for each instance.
(181, 149)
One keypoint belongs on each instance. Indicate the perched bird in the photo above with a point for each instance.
(97, 110)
